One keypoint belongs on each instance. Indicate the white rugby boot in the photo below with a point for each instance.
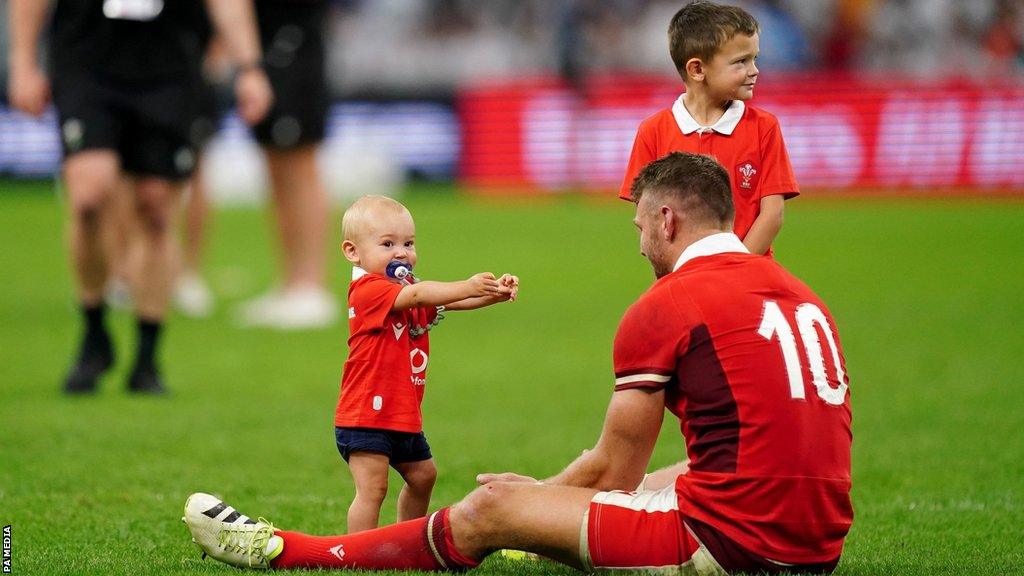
(229, 536)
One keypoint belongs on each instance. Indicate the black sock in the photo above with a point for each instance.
(95, 331)
(149, 335)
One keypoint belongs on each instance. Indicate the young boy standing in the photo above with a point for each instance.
(378, 422)
(714, 49)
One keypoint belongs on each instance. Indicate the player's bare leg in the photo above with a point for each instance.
(539, 518)
(302, 212)
(154, 268)
(191, 294)
(197, 213)
(414, 498)
(302, 216)
(119, 236)
(91, 177)
(370, 474)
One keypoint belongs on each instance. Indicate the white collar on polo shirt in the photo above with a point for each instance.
(725, 125)
(358, 273)
(710, 245)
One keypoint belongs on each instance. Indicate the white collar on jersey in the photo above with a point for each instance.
(725, 125)
(710, 245)
(358, 273)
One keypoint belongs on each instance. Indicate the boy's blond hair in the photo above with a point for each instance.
(699, 29)
(364, 211)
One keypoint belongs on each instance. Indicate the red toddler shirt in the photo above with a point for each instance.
(386, 372)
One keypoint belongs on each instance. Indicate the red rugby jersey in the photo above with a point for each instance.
(746, 141)
(386, 372)
(750, 362)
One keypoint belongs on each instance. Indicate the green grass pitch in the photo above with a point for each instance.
(928, 295)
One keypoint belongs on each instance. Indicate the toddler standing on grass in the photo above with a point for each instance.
(378, 422)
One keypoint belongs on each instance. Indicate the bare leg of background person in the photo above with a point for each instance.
(302, 215)
(155, 267)
(191, 294)
(119, 235)
(91, 177)
(197, 211)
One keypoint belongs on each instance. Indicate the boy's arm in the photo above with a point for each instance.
(429, 293)
(766, 226)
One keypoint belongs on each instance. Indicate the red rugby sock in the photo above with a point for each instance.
(421, 544)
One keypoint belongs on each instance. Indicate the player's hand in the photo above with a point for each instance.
(512, 283)
(29, 89)
(484, 284)
(484, 479)
(253, 94)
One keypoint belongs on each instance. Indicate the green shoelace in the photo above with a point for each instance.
(246, 540)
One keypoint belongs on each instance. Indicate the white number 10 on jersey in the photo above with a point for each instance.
(808, 318)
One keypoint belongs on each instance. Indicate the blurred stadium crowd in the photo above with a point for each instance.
(425, 88)
(389, 47)
(398, 45)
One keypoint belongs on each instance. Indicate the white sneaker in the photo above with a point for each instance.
(233, 538)
(251, 312)
(192, 296)
(295, 309)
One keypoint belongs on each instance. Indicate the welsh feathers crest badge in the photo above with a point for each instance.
(746, 175)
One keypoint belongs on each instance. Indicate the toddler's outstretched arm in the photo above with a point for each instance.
(431, 293)
(507, 281)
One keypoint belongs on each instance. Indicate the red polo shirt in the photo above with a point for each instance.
(745, 140)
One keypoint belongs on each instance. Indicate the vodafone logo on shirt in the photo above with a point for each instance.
(418, 361)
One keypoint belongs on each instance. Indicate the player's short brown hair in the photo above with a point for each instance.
(697, 183)
(700, 28)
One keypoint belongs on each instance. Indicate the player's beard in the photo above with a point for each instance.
(659, 259)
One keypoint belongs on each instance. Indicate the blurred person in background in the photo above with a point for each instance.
(292, 36)
(192, 294)
(124, 79)
(1004, 37)
(847, 30)
(783, 42)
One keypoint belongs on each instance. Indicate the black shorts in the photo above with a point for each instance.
(150, 129)
(212, 103)
(399, 447)
(293, 55)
